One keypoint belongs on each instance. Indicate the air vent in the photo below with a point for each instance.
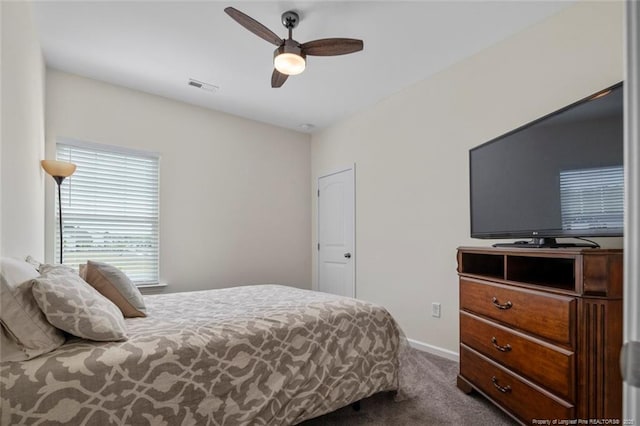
(202, 85)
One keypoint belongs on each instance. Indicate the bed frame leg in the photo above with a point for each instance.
(356, 406)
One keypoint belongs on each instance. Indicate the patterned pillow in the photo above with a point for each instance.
(74, 306)
(113, 284)
(48, 269)
(24, 325)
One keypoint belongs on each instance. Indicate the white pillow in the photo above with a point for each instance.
(74, 306)
(33, 262)
(22, 320)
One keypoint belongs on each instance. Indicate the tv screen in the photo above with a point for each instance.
(559, 176)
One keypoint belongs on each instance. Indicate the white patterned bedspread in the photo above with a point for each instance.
(258, 355)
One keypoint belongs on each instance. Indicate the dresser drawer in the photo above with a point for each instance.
(546, 364)
(547, 315)
(515, 394)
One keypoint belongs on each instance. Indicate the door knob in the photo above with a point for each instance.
(347, 255)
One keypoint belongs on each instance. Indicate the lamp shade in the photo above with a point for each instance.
(58, 168)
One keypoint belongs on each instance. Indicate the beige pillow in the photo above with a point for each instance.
(74, 306)
(24, 325)
(113, 284)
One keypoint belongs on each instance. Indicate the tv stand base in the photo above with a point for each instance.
(544, 243)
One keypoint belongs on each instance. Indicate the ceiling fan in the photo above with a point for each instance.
(289, 56)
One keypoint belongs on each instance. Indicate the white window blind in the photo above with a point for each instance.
(110, 209)
(592, 198)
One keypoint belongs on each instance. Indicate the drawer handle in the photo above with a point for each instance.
(505, 348)
(495, 302)
(503, 389)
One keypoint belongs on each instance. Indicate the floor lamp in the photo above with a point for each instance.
(58, 170)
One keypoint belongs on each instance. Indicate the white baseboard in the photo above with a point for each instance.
(425, 347)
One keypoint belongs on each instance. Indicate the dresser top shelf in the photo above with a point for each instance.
(575, 270)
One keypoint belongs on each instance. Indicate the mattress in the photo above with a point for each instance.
(259, 355)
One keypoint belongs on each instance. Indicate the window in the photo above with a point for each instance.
(110, 209)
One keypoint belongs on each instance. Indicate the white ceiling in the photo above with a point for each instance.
(157, 46)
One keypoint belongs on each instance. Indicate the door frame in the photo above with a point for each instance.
(354, 250)
(631, 292)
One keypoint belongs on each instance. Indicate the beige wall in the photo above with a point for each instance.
(22, 130)
(234, 193)
(411, 155)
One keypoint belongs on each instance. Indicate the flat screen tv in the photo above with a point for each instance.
(558, 176)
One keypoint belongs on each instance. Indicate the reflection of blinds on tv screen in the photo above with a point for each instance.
(559, 176)
(592, 198)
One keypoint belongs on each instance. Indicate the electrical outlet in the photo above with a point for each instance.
(435, 310)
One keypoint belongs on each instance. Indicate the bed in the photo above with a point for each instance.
(258, 355)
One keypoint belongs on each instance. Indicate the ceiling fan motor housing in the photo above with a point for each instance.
(289, 46)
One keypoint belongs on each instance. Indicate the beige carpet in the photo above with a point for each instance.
(433, 399)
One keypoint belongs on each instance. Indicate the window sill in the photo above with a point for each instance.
(151, 287)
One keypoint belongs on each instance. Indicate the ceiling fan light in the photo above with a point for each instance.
(289, 63)
(288, 58)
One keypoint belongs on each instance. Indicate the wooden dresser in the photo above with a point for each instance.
(541, 331)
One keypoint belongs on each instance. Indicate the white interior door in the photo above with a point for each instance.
(336, 233)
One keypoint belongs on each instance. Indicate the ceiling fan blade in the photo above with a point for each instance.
(332, 46)
(254, 26)
(277, 78)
